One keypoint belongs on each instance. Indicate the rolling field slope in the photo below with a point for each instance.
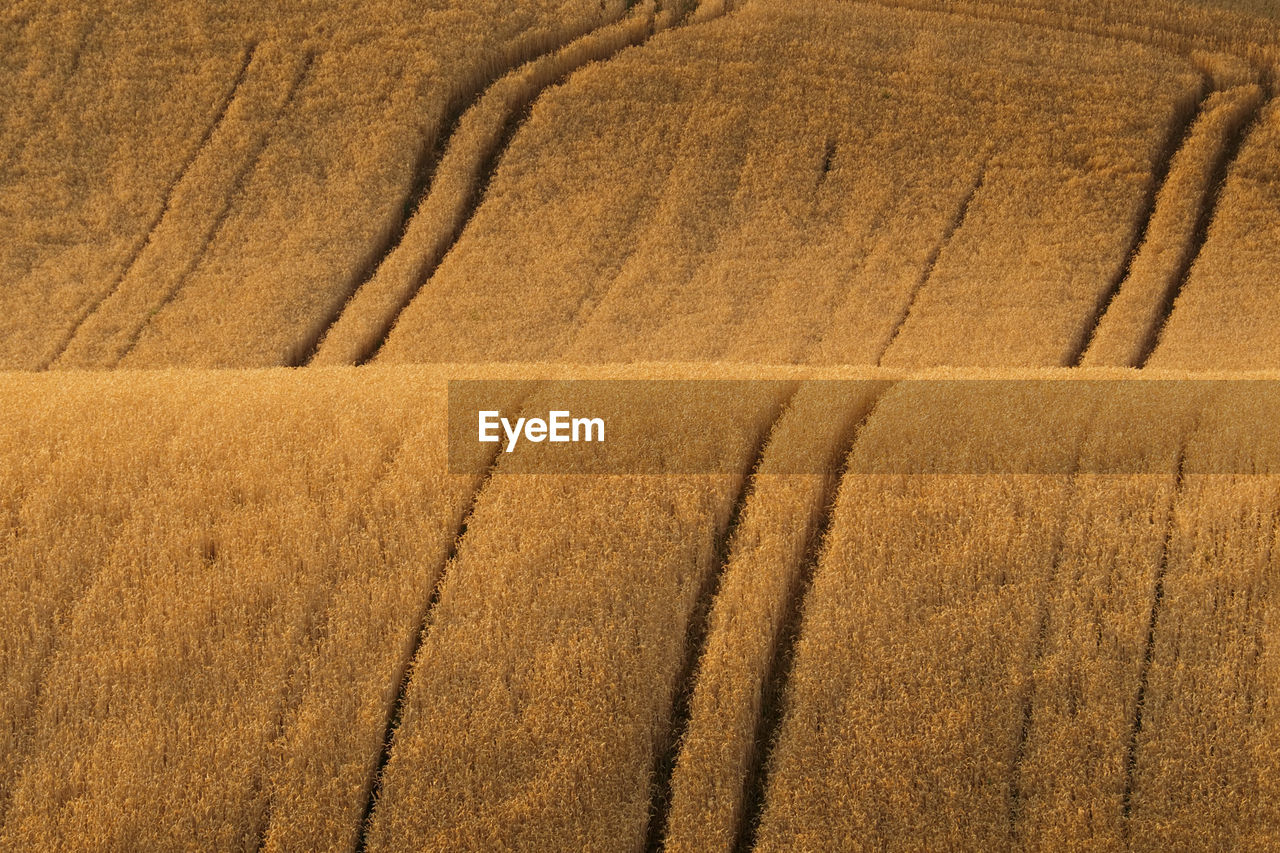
(241, 170)
(331, 641)
(804, 216)
(936, 342)
(908, 184)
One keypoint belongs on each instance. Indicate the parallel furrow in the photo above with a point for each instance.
(359, 328)
(1208, 209)
(696, 635)
(147, 238)
(948, 234)
(215, 228)
(1179, 134)
(448, 186)
(778, 674)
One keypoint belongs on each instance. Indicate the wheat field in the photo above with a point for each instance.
(935, 499)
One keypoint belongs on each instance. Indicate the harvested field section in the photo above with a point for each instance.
(541, 698)
(1224, 316)
(231, 668)
(802, 205)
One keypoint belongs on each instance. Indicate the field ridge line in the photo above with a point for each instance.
(1153, 623)
(697, 630)
(1209, 205)
(778, 674)
(228, 99)
(953, 226)
(216, 226)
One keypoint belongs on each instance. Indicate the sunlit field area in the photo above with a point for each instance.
(934, 503)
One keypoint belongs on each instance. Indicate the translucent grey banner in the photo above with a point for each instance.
(875, 426)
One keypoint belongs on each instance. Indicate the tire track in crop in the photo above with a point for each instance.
(697, 631)
(778, 675)
(948, 234)
(1175, 141)
(423, 185)
(293, 697)
(1042, 634)
(404, 674)
(368, 326)
(1153, 623)
(237, 186)
(219, 117)
(1209, 204)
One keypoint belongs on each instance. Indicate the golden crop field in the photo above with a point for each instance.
(924, 352)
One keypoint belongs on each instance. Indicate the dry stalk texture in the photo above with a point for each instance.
(979, 677)
(656, 207)
(958, 183)
(1127, 331)
(1205, 765)
(921, 583)
(541, 698)
(776, 540)
(231, 668)
(1224, 317)
(998, 635)
(247, 243)
(1244, 28)
(481, 133)
(194, 211)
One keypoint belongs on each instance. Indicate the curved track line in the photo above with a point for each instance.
(431, 164)
(215, 228)
(511, 97)
(225, 105)
(948, 234)
(1209, 205)
(778, 676)
(697, 631)
(1179, 134)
